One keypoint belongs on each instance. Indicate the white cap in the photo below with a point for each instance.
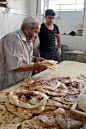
(30, 19)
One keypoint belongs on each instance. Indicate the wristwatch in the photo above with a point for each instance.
(34, 59)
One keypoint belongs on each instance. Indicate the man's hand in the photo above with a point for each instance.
(39, 59)
(59, 52)
(38, 67)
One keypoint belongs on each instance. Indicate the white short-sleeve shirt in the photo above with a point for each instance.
(14, 50)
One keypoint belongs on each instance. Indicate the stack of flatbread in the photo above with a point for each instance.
(62, 92)
(51, 86)
(7, 118)
(78, 52)
(38, 106)
(50, 64)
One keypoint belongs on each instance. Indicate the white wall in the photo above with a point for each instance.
(19, 5)
(76, 42)
(19, 9)
(67, 22)
(36, 7)
(12, 20)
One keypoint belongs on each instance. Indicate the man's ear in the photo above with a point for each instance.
(45, 17)
(27, 28)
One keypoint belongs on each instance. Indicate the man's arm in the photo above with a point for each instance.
(59, 45)
(25, 67)
(30, 67)
(58, 40)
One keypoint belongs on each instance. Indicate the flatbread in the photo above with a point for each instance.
(49, 84)
(59, 91)
(27, 99)
(38, 122)
(53, 127)
(64, 121)
(53, 104)
(3, 96)
(9, 126)
(27, 82)
(67, 100)
(25, 113)
(73, 91)
(50, 64)
(8, 118)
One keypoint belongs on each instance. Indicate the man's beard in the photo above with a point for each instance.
(29, 37)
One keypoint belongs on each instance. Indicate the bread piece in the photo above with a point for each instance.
(8, 118)
(9, 126)
(59, 91)
(50, 64)
(27, 99)
(65, 121)
(50, 84)
(3, 96)
(38, 122)
(25, 113)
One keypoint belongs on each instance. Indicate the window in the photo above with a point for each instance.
(65, 5)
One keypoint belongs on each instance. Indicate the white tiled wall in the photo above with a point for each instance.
(66, 21)
(10, 22)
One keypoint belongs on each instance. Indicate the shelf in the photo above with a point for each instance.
(3, 2)
(70, 35)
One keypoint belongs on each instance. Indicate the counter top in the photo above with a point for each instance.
(65, 68)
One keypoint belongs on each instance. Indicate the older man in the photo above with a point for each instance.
(16, 54)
